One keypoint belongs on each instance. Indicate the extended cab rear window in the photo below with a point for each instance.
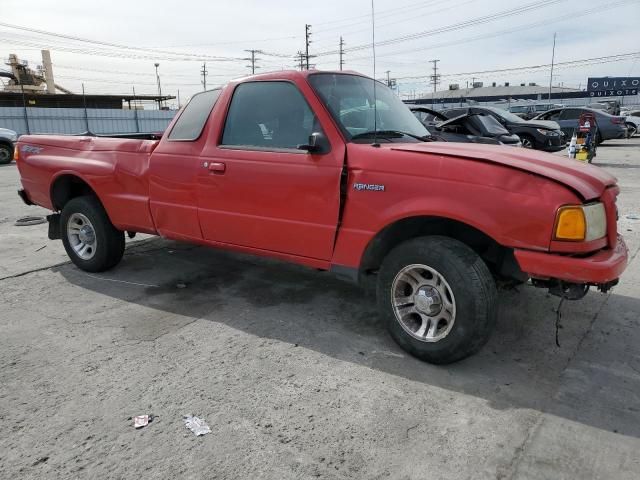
(191, 122)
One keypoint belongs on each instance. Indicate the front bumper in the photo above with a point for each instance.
(552, 144)
(600, 268)
(25, 198)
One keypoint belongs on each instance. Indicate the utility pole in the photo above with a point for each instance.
(253, 60)
(204, 73)
(435, 79)
(307, 41)
(159, 86)
(341, 52)
(388, 78)
(473, 81)
(300, 58)
(553, 57)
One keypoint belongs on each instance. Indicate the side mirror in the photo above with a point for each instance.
(314, 145)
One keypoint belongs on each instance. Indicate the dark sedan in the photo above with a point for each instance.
(610, 127)
(535, 134)
(466, 128)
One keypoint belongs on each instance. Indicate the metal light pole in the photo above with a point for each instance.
(553, 57)
(159, 87)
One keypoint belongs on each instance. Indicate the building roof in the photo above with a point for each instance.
(499, 91)
(49, 100)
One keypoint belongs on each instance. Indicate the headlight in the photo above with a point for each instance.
(579, 223)
(549, 133)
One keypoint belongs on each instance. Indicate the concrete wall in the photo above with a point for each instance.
(73, 120)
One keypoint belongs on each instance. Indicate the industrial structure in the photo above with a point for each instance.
(37, 88)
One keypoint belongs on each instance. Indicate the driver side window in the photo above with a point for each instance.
(269, 115)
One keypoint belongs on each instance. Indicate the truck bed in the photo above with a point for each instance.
(116, 167)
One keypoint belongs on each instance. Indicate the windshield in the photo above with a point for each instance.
(350, 101)
(509, 117)
(487, 124)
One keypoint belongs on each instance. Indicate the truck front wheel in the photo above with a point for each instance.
(89, 237)
(438, 298)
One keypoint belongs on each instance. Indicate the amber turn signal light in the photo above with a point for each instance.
(570, 224)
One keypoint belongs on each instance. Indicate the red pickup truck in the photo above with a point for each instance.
(332, 171)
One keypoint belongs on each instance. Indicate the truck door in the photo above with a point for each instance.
(257, 189)
(174, 167)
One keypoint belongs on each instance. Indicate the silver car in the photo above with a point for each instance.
(7, 140)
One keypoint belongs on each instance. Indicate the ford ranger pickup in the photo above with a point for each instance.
(332, 171)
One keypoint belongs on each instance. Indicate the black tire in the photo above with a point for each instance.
(6, 154)
(471, 283)
(528, 140)
(110, 241)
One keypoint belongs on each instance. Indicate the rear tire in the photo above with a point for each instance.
(6, 154)
(438, 324)
(88, 236)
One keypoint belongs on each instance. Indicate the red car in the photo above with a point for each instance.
(331, 170)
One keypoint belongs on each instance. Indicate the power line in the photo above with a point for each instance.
(413, 16)
(517, 29)
(456, 26)
(577, 63)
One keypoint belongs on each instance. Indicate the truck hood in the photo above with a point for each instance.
(587, 180)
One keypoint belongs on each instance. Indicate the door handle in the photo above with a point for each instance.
(217, 167)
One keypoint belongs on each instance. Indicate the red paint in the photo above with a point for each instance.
(601, 267)
(287, 205)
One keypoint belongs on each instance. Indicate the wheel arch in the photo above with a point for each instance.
(498, 258)
(67, 186)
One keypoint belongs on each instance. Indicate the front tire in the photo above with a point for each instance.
(89, 237)
(438, 299)
(527, 141)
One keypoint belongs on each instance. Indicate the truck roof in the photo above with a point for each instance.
(292, 75)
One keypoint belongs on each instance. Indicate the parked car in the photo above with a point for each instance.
(7, 140)
(467, 128)
(610, 127)
(428, 225)
(632, 121)
(612, 107)
(534, 134)
(529, 111)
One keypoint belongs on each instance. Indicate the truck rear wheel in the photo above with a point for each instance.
(89, 237)
(438, 298)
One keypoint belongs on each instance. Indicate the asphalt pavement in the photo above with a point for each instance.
(294, 372)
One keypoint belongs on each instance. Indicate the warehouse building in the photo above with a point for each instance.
(499, 93)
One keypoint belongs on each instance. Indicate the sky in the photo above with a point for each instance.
(115, 44)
